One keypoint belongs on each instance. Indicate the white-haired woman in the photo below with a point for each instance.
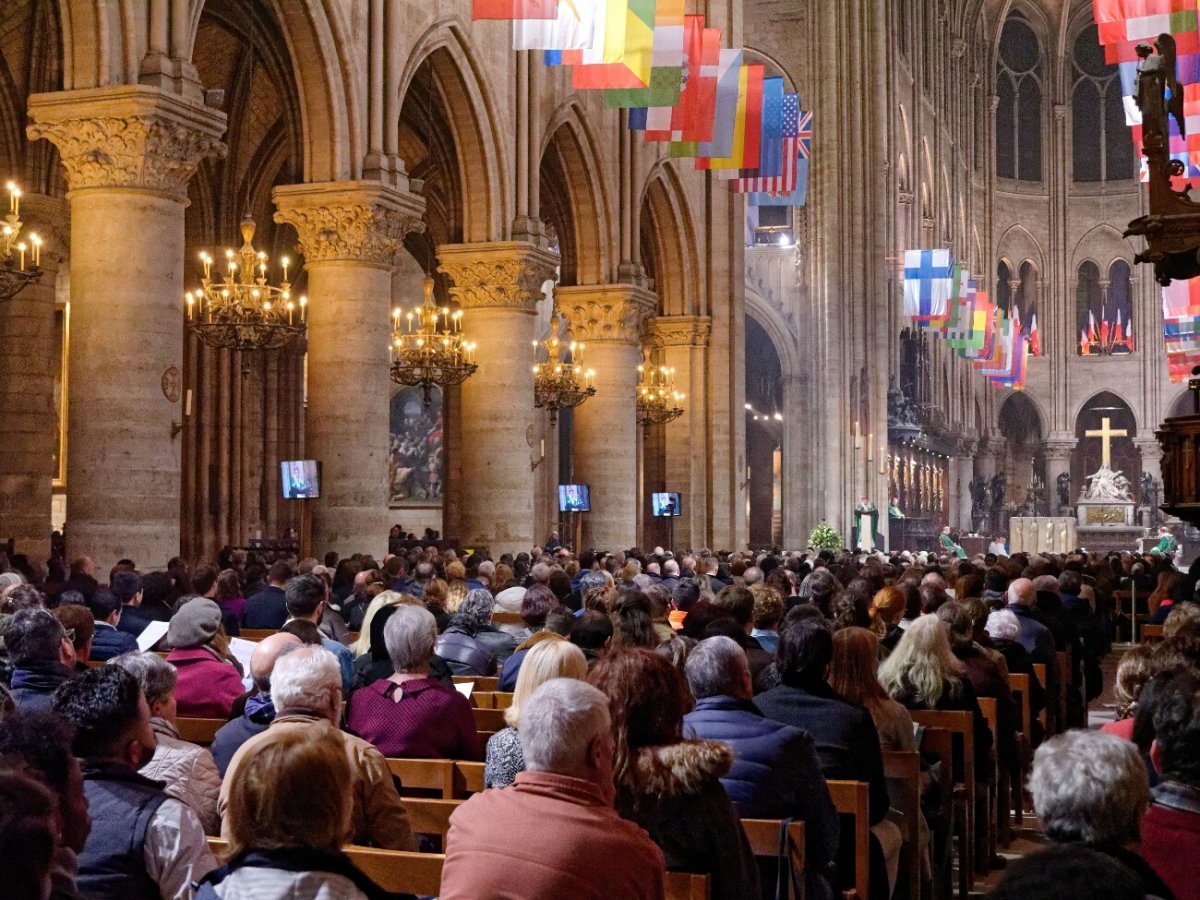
(549, 659)
(189, 770)
(1003, 628)
(923, 673)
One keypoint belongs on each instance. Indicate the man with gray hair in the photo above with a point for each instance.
(561, 807)
(42, 656)
(776, 772)
(1034, 636)
(1091, 788)
(306, 687)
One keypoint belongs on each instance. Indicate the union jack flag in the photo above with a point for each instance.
(804, 134)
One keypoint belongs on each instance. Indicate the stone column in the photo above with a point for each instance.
(965, 475)
(608, 319)
(1152, 454)
(27, 387)
(683, 340)
(1058, 460)
(129, 152)
(499, 285)
(350, 233)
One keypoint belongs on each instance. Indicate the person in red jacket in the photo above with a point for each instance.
(209, 681)
(1171, 827)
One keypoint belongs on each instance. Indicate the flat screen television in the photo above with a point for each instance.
(574, 498)
(301, 479)
(666, 504)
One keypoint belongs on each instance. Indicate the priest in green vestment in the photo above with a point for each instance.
(1167, 543)
(866, 523)
(949, 545)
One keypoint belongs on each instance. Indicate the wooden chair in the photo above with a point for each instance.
(1062, 665)
(257, 634)
(468, 778)
(489, 719)
(763, 836)
(938, 745)
(962, 726)
(198, 731)
(1152, 634)
(686, 886)
(483, 737)
(424, 775)
(430, 816)
(396, 871)
(501, 700)
(1021, 688)
(1039, 669)
(997, 793)
(852, 798)
(482, 683)
(903, 773)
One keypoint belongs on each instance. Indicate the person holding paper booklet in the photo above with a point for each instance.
(209, 680)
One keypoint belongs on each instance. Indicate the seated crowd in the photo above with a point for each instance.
(657, 700)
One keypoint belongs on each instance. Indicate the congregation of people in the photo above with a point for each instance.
(658, 699)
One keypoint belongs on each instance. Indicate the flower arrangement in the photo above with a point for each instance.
(825, 537)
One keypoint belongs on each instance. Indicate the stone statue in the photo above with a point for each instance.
(901, 411)
(1064, 489)
(980, 498)
(1107, 485)
(1150, 495)
(999, 489)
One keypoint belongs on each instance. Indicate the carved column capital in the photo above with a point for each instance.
(607, 312)
(497, 275)
(1149, 447)
(355, 221)
(1058, 450)
(680, 331)
(131, 136)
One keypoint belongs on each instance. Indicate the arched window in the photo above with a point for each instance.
(1019, 113)
(1101, 143)
(1105, 310)
(1025, 306)
(1004, 278)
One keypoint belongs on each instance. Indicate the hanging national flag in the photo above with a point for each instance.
(724, 112)
(514, 9)
(959, 277)
(575, 28)
(928, 282)
(691, 118)
(780, 158)
(747, 125)
(1181, 327)
(1085, 346)
(797, 197)
(666, 63)
(958, 329)
(625, 56)
(1035, 336)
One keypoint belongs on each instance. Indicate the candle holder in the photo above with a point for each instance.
(429, 347)
(242, 310)
(657, 400)
(20, 259)
(559, 379)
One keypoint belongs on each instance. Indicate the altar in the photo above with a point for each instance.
(1042, 534)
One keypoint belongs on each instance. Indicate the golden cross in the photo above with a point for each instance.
(1106, 434)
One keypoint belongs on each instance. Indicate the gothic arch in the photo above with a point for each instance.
(570, 138)
(1133, 408)
(470, 113)
(1018, 244)
(754, 54)
(782, 337)
(1099, 242)
(668, 235)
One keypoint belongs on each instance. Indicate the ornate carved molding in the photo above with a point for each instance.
(131, 136)
(611, 312)
(680, 331)
(500, 275)
(1058, 450)
(363, 221)
(1149, 447)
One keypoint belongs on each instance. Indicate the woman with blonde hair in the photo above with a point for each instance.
(456, 586)
(923, 673)
(362, 646)
(549, 659)
(852, 674)
(285, 839)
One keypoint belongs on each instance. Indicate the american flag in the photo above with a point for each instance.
(795, 141)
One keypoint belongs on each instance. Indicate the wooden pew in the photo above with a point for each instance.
(903, 773)
(198, 731)
(257, 634)
(430, 816)
(453, 779)
(482, 683)
(763, 836)
(938, 744)
(1039, 669)
(852, 798)
(686, 886)
(1021, 687)
(1152, 634)
(491, 699)
(962, 725)
(468, 778)
(499, 617)
(996, 814)
(1062, 665)
(489, 719)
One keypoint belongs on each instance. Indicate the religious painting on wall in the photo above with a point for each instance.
(416, 457)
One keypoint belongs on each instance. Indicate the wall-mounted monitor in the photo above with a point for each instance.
(574, 498)
(666, 504)
(301, 479)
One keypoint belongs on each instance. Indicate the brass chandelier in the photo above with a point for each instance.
(242, 310)
(426, 353)
(657, 400)
(559, 382)
(15, 252)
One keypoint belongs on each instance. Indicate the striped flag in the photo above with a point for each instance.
(723, 113)
(624, 57)
(798, 196)
(747, 125)
(514, 9)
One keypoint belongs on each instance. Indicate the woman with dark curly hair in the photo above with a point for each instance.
(669, 786)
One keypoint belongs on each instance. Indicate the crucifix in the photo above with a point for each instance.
(1106, 433)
